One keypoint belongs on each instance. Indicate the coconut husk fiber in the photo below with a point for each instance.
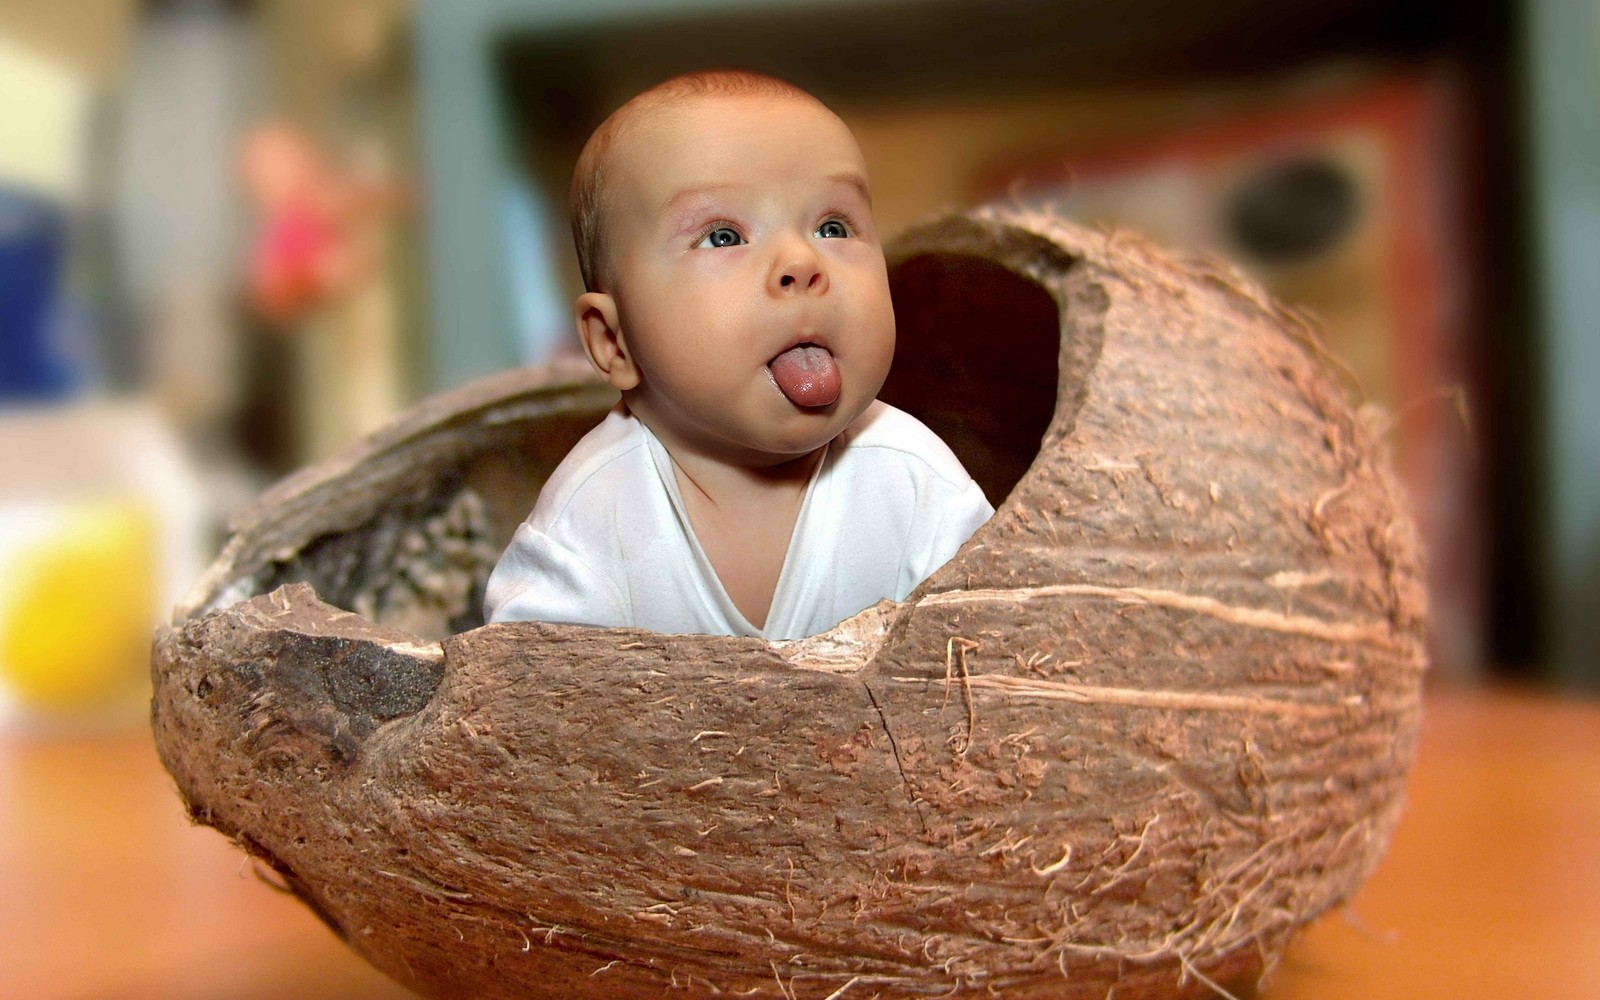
(1151, 719)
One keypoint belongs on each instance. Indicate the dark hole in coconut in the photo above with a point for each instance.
(975, 360)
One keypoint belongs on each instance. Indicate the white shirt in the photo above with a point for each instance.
(609, 542)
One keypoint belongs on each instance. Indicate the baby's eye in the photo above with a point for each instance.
(833, 229)
(722, 236)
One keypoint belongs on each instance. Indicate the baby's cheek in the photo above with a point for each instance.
(706, 297)
(720, 266)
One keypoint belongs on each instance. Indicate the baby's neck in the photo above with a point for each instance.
(723, 483)
(744, 520)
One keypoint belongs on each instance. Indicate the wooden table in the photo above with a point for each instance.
(1490, 890)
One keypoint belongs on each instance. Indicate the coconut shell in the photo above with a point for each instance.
(1151, 719)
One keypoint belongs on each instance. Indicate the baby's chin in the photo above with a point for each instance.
(804, 431)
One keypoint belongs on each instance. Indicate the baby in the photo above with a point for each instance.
(749, 482)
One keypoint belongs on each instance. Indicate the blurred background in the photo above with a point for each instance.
(235, 236)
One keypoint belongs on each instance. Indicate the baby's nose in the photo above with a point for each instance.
(800, 272)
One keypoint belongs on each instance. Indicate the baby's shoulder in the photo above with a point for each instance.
(887, 432)
(612, 459)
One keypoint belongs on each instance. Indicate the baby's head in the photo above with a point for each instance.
(737, 292)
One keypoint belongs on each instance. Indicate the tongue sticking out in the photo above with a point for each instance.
(807, 374)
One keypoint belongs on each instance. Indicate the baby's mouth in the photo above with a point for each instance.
(807, 374)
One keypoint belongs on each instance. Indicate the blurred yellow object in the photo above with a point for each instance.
(75, 632)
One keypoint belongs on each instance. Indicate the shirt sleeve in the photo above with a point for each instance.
(539, 579)
(960, 512)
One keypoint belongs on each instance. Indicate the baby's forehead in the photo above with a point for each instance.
(639, 127)
(656, 135)
(650, 120)
(647, 122)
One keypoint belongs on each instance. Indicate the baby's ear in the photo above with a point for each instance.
(596, 313)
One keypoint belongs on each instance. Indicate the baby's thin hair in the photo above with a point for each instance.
(588, 196)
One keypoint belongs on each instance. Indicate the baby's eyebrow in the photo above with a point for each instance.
(854, 180)
(684, 196)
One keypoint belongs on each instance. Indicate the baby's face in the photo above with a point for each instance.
(748, 276)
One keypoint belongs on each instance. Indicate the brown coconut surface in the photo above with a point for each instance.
(1152, 718)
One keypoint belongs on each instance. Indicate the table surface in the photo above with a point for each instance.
(1491, 888)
